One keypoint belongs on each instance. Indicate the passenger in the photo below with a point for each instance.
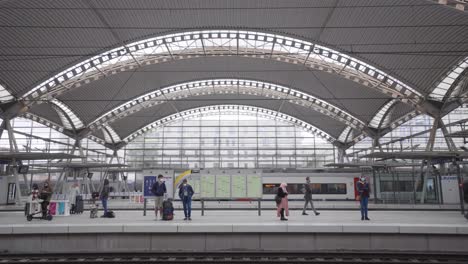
(104, 196)
(283, 204)
(363, 190)
(185, 194)
(308, 197)
(159, 189)
(34, 198)
(74, 191)
(46, 195)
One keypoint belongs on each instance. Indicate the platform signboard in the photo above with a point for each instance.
(223, 186)
(148, 182)
(239, 189)
(207, 184)
(254, 186)
(231, 184)
(151, 176)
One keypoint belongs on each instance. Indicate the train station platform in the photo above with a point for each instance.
(130, 231)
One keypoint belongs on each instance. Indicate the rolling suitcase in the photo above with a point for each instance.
(79, 204)
(168, 210)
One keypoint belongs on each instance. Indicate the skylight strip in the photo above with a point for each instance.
(217, 42)
(77, 123)
(377, 119)
(442, 88)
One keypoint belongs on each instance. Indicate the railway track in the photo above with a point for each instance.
(242, 257)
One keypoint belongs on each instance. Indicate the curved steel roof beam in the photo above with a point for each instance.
(226, 86)
(235, 109)
(446, 85)
(222, 43)
(69, 119)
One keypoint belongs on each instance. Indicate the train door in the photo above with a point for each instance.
(356, 179)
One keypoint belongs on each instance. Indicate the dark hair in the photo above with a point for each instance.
(106, 182)
(184, 180)
(160, 176)
(35, 186)
(307, 178)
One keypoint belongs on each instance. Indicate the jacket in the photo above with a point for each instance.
(189, 191)
(105, 192)
(307, 191)
(159, 189)
(363, 188)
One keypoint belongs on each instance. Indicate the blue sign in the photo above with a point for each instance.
(148, 182)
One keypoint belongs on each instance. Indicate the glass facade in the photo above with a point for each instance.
(229, 141)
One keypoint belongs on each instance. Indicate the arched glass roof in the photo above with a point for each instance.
(69, 119)
(222, 43)
(227, 86)
(440, 92)
(232, 109)
(382, 118)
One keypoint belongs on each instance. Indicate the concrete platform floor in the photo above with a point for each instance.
(336, 218)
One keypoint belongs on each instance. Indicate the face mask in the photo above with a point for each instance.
(363, 179)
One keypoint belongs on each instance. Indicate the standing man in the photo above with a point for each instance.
(104, 196)
(185, 194)
(159, 189)
(364, 191)
(308, 197)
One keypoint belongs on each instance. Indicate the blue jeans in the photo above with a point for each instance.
(364, 203)
(104, 204)
(187, 203)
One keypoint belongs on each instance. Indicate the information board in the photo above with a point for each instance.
(254, 186)
(223, 186)
(239, 189)
(148, 182)
(207, 185)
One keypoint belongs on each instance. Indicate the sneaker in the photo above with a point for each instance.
(284, 219)
(185, 218)
(362, 218)
(367, 218)
(304, 213)
(190, 219)
(317, 213)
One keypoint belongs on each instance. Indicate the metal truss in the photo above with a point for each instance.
(226, 86)
(221, 43)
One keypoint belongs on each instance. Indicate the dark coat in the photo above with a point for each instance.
(190, 191)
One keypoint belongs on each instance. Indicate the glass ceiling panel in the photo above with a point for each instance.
(441, 90)
(77, 124)
(376, 121)
(5, 96)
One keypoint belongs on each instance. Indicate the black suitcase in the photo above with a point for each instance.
(79, 204)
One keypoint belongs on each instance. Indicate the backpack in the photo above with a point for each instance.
(109, 214)
(168, 210)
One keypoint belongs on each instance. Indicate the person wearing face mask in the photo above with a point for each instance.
(282, 205)
(308, 197)
(185, 194)
(159, 189)
(363, 189)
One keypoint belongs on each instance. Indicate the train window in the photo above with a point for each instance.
(401, 186)
(298, 188)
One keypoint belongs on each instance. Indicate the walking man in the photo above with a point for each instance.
(185, 194)
(159, 189)
(308, 197)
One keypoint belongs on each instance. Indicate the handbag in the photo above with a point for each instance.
(277, 199)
